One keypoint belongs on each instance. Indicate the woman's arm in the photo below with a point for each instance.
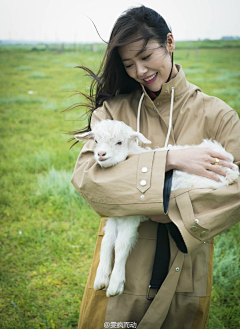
(201, 214)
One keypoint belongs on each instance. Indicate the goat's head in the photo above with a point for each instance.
(114, 141)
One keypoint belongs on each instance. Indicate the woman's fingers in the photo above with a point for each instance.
(218, 156)
(199, 161)
(211, 175)
(218, 162)
(216, 169)
(222, 163)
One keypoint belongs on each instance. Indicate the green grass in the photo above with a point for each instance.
(48, 232)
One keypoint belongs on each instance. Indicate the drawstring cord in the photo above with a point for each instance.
(171, 108)
(170, 117)
(138, 114)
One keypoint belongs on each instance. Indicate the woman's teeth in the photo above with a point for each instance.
(150, 78)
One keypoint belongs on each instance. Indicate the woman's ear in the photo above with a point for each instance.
(170, 43)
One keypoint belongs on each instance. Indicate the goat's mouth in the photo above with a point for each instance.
(103, 159)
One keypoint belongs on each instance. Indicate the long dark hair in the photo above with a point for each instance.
(134, 24)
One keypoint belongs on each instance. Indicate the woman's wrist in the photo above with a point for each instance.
(170, 162)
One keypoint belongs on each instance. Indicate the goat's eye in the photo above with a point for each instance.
(119, 143)
(95, 141)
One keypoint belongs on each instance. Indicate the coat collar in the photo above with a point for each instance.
(180, 84)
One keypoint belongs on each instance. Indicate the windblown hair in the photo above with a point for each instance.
(138, 23)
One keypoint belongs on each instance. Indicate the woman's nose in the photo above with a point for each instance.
(141, 70)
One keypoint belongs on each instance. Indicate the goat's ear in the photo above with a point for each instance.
(140, 137)
(88, 135)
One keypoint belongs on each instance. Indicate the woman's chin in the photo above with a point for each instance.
(154, 87)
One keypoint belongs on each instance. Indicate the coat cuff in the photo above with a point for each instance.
(201, 214)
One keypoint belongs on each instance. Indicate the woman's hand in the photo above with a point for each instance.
(198, 161)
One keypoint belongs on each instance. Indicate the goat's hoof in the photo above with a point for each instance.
(99, 287)
(100, 284)
(232, 176)
(115, 290)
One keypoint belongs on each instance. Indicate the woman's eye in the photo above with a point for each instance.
(146, 57)
(119, 143)
(128, 66)
(95, 141)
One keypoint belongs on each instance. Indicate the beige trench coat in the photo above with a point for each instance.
(184, 298)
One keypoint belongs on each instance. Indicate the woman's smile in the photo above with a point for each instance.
(151, 79)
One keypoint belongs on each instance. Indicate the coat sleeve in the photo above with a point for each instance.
(123, 189)
(201, 214)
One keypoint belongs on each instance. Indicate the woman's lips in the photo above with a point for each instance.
(151, 79)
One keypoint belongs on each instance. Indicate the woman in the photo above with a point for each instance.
(139, 84)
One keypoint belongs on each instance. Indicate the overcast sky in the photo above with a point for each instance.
(58, 20)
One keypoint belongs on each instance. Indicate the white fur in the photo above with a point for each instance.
(121, 232)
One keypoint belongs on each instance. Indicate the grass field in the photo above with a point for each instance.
(48, 232)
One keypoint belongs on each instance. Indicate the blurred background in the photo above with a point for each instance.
(66, 21)
(48, 232)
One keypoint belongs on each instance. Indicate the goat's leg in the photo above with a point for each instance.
(106, 255)
(232, 174)
(126, 239)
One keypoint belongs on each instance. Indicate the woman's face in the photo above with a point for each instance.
(150, 65)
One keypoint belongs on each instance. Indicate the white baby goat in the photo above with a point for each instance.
(114, 142)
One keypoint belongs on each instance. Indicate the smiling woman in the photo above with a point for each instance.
(169, 272)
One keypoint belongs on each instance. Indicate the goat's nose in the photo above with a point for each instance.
(101, 154)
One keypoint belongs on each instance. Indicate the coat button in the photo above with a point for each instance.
(177, 269)
(157, 103)
(165, 91)
(142, 196)
(203, 234)
(194, 228)
(144, 169)
(196, 220)
(143, 182)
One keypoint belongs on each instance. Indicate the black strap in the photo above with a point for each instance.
(162, 256)
(161, 261)
(169, 77)
(162, 253)
(172, 228)
(167, 189)
(177, 237)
